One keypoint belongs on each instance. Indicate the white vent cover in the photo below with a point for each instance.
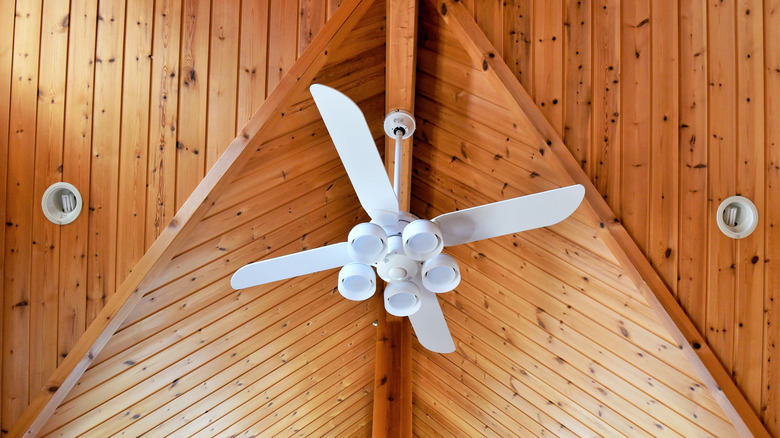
(61, 203)
(737, 217)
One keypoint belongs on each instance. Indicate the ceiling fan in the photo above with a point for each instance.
(406, 251)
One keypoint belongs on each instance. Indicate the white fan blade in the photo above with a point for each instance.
(510, 216)
(293, 265)
(356, 147)
(429, 324)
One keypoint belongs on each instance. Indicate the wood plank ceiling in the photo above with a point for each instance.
(196, 357)
(553, 338)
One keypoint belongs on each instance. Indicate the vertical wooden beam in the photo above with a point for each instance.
(401, 47)
(393, 378)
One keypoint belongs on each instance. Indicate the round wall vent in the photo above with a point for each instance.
(61, 203)
(737, 217)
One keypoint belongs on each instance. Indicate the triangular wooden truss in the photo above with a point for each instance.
(496, 72)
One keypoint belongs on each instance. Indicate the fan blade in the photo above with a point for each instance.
(510, 216)
(293, 265)
(429, 324)
(356, 147)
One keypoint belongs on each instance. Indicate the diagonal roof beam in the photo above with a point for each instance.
(130, 292)
(655, 291)
(392, 414)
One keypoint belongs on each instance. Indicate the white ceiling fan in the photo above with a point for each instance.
(405, 250)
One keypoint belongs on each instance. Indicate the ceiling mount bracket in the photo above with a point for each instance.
(399, 119)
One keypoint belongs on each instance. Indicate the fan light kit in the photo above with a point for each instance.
(737, 217)
(406, 251)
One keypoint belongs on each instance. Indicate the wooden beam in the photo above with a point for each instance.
(647, 280)
(392, 416)
(393, 375)
(192, 212)
(401, 60)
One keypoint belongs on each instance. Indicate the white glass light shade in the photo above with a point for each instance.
(402, 298)
(422, 240)
(441, 274)
(357, 281)
(367, 243)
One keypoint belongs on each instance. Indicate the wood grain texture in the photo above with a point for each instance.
(223, 79)
(191, 142)
(134, 137)
(548, 57)
(635, 123)
(682, 186)
(694, 138)
(7, 14)
(722, 134)
(20, 184)
(770, 380)
(716, 55)
(104, 181)
(48, 170)
(190, 214)
(647, 281)
(253, 58)
(607, 146)
(664, 125)
(577, 86)
(750, 150)
(163, 118)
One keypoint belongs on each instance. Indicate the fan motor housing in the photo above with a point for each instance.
(398, 266)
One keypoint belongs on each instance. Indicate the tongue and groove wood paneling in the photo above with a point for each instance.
(653, 135)
(198, 358)
(532, 322)
(129, 129)
(670, 107)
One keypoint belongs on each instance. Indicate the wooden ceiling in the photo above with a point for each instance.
(554, 333)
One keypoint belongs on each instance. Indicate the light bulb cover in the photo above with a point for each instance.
(357, 282)
(441, 274)
(422, 240)
(61, 203)
(367, 243)
(743, 213)
(402, 298)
